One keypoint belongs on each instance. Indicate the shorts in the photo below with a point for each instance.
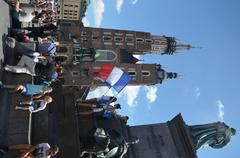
(34, 106)
(97, 109)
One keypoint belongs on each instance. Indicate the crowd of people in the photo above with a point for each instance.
(36, 49)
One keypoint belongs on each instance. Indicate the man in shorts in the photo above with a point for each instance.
(37, 91)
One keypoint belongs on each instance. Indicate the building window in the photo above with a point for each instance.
(163, 42)
(149, 41)
(107, 43)
(130, 44)
(156, 41)
(75, 73)
(83, 33)
(156, 48)
(139, 40)
(94, 38)
(132, 73)
(118, 39)
(131, 35)
(146, 73)
(119, 44)
(129, 39)
(107, 33)
(62, 49)
(107, 38)
(105, 55)
(118, 34)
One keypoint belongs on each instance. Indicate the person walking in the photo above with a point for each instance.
(42, 150)
(37, 91)
(35, 105)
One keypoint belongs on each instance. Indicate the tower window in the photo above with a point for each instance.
(94, 38)
(130, 44)
(107, 33)
(75, 73)
(149, 41)
(156, 41)
(118, 34)
(107, 38)
(107, 43)
(83, 33)
(146, 73)
(132, 73)
(129, 39)
(119, 44)
(128, 34)
(118, 39)
(139, 40)
(163, 42)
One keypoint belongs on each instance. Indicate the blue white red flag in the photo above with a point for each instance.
(113, 77)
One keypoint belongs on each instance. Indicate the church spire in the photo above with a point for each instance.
(168, 45)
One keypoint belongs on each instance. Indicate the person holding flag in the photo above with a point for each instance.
(105, 112)
(96, 102)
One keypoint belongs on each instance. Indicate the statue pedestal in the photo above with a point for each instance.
(181, 138)
(162, 140)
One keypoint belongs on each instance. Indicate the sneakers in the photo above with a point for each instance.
(10, 42)
(6, 68)
(1, 84)
(3, 148)
(17, 108)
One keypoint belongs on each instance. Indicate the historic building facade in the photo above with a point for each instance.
(88, 48)
(72, 10)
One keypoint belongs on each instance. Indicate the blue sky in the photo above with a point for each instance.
(209, 88)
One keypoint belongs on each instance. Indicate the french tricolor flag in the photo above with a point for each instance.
(113, 77)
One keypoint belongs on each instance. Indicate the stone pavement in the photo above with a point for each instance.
(13, 124)
(57, 124)
(4, 24)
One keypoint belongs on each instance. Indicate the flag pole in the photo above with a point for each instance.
(106, 92)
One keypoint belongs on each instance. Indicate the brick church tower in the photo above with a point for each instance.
(88, 48)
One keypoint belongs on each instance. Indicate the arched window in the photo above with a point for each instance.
(107, 38)
(139, 39)
(145, 73)
(105, 55)
(62, 49)
(132, 73)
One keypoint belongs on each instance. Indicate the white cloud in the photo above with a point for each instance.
(197, 93)
(220, 110)
(151, 93)
(85, 22)
(134, 2)
(119, 4)
(98, 10)
(130, 93)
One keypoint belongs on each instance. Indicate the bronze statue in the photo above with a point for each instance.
(215, 135)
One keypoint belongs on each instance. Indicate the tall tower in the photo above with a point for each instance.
(88, 48)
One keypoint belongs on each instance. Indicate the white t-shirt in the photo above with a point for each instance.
(25, 17)
(40, 151)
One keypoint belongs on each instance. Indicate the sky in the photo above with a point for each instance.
(208, 89)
